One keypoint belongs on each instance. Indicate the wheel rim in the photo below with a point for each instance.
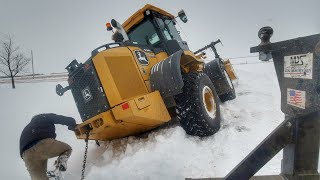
(228, 79)
(209, 101)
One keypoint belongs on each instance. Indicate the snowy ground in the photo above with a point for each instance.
(165, 154)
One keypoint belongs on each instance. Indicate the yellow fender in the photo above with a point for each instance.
(229, 69)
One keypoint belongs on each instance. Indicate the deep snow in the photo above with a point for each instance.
(165, 154)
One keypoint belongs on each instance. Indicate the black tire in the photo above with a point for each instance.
(194, 115)
(221, 80)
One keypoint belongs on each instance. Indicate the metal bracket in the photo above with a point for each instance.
(61, 90)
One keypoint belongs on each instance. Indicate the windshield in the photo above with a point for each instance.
(145, 33)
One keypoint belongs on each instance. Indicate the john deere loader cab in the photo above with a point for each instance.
(144, 79)
(158, 32)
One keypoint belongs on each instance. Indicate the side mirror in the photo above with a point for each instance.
(182, 15)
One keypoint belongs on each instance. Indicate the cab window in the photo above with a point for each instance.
(168, 28)
(144, 33)
(173, 30)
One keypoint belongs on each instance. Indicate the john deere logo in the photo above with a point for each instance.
(86, 94)
(142, 58)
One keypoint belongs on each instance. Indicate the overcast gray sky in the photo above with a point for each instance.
(60, 31)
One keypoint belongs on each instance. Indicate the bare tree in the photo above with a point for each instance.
(12, 60)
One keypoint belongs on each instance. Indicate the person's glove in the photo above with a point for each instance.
(72, 125)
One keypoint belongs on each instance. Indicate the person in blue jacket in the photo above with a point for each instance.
(38, 144)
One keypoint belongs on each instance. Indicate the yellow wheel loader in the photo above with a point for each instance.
(145, 78)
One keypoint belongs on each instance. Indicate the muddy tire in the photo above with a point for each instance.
(198, 107)
(221, 80)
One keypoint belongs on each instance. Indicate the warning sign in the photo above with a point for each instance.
(296, 98)
(298, 66)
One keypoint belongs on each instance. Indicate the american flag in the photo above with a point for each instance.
(295, 97)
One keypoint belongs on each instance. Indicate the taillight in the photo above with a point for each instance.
(125, 106)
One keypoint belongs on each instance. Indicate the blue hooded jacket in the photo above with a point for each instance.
(42, 127)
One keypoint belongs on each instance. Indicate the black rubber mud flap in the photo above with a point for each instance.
(166, 76)
(220, 79)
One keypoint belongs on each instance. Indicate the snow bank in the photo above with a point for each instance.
(171, 154)
(164, 154)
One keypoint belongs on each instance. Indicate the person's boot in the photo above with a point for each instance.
(62, 162)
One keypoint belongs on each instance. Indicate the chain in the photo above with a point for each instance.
(85, 155)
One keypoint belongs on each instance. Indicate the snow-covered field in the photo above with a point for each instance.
(165, 154)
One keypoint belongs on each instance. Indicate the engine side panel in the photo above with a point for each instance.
(145, 59)
(119, 75)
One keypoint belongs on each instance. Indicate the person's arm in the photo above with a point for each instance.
(63, 120)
